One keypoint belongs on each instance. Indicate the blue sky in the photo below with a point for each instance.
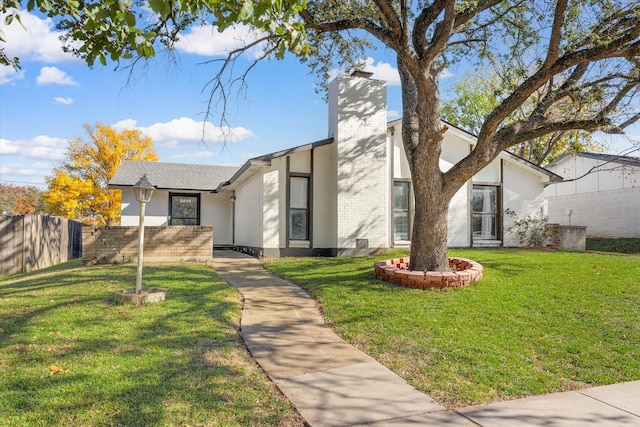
(46, 103)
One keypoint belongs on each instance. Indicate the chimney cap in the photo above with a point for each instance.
(361, 73)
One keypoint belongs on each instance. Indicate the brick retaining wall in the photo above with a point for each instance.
(120, 243)
(464, 272)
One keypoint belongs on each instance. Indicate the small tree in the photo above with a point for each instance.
(79, 187)
(532, 231)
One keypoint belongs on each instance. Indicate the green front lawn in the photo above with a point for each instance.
(538, 322)
(69, 357)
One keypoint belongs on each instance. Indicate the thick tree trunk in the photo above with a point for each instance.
(422, 134)
(430, 226)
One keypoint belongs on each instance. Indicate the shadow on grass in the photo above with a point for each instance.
(178, 362)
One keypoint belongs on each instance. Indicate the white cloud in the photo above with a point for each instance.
(381, 71)
(8, 75)
(124, 124)
(54, 75)
(392, 115)
(41, 147)
(185, 130)
(61, 100)
(445, 74)
(198, 155)
(37, 41)
(207, 41)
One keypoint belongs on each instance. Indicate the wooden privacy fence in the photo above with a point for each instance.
(30, 242)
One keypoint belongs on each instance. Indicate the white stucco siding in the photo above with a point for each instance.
(215, 210)
(490, 174)
(300, 162)
(156, 211)
(324, 198)
(272, 225)
(400, 164)
(249, 211)
(454, 149)
(359, 118)
(523, 193)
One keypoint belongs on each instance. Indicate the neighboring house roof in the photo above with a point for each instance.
(605, 158)
(172, 176)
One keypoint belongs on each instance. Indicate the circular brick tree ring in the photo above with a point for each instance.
(463, 273)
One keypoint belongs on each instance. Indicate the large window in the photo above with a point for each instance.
(299, 208)
(485, 212)
(184, 209)
(401, 211)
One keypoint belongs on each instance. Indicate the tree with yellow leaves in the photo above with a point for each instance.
(78, 188)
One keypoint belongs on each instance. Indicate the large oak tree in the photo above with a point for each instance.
(581, 54)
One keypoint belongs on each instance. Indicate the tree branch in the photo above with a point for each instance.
(391, 17)
(556, 33)
(221, 88)
(441, 34)
(349, 24)
(619, 47)
(422, 22)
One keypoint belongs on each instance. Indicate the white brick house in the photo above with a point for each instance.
(347, 194)
(602, 192)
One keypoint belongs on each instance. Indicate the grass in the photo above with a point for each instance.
(69, 356)
(538, 322)
(625, 246)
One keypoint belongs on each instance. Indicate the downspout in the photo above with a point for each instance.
(232, 198)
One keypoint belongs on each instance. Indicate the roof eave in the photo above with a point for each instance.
(251, 165)
(245, 171)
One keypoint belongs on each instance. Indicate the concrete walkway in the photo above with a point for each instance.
(331, 383)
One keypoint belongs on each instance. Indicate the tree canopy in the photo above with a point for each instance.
(20, 199)
(575, 64)
(474, 97)
(79, 189)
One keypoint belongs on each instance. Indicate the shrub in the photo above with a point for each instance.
(532, 231)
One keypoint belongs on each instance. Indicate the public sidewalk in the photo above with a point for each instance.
(331, 383)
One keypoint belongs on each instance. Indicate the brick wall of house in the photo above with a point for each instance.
(611, 214)
(568, 237)
(120, 243)
(358, 124)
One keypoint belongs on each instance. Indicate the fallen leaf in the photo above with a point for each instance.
(53, 369)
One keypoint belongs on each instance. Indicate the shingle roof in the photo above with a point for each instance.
(173, 176)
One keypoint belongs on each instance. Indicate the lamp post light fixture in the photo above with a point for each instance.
(143, 190)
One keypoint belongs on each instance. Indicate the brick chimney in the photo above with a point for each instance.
(358, 124)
